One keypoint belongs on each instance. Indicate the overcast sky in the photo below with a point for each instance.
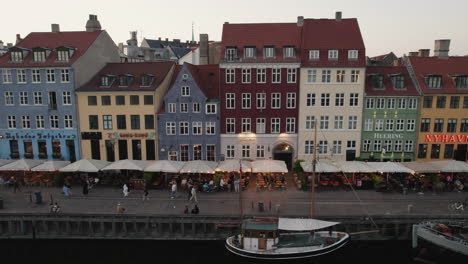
(386, 25)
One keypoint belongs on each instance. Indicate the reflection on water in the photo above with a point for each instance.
(174, 252)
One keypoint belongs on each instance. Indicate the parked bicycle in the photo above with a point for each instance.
(458, 206)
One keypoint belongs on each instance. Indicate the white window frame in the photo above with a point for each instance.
(290, 100)
(338, 124)
(26, 122)
(172, 108)
(410, 125)
(340, 76)
(389, 124)
(324, 122)
(409, 146)
(261, 75)
(269, 52)
(245, 151)
(370, 103)
(230, 101)
(310, 99)
(325, 99)
(275, 127)
(35, 76)
(210, 109)
(21, 76)
(11, 120)
(230, 151)
(326, 76)
(292, 75)
(288, 52)
(185, 91)
(37, 98)
(40, 122)
(9, 98)
(68, 121)
(380, 103)
(230, 123)
(50, 75)
(260, 125)
(339, 99)
(366, 145)
(64, 75)
(249, 52)
(184, 128)
(314, 54)
(261, 100)
(323, 147)
(276, 101)
(54, 121)
(353, 54)
(183, 108)
(333, 54)
(246, 75)
(308, 147)
(337, 147)
(368, 125)
(171, 129)
(290, 125)
(352, 122)
(66, 98)
(310, 122)
(24, 98)
(412, 103)
(7, 76)
(210, 128)
(276, 75)
(196, 108)
(311, 76)
(354, 99)
(246, 101)
(260, 151)
(400, 125)
(197, 128)
(246, 125)
(230, 75)
(391, 103)
(379, 125)
(355, 76)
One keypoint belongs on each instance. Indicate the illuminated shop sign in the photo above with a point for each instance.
(131, 135)
(387, 136)
(446, 138)
(15, 136)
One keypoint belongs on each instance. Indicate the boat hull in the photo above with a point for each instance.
(421, 232)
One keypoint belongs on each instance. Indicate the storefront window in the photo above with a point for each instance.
(14, 149)
(435, 151)
(42, 146)
(56, 150)
(28, 149)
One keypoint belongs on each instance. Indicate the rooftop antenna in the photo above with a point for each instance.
(193, 35)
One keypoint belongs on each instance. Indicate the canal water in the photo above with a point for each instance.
(193, 252)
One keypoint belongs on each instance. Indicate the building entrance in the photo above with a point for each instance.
(284, 152)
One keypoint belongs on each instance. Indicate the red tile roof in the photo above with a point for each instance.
(433, 65)
(207, 78)
(386, 71)
(80, 40)
(380, 57)
(158, 69)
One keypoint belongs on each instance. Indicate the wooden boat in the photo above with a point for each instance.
(451, 235)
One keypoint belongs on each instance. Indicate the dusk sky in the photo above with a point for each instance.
(386, 25)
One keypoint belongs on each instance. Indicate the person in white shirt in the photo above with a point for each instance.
(173, 190)
(221, 184)
(194, 195)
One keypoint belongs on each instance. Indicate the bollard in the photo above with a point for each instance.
(410, 208)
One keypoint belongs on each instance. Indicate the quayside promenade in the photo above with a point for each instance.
(95, 215)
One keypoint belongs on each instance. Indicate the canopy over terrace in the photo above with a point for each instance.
(307, 224)
(85, 165)
(199, 166)
(389, 167)
(268, 166)
(5, 162)
(234, 165)
(355, 167)
(169, 166)
(420, 166)
(22, 165)
(51, 165)
(126, 164)
(450, 165)
(320, 167)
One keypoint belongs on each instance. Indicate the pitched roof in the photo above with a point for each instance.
(159, 69)
(424, 66)
(387, 72)
(206, 77)
(180, 52)
(80, 40)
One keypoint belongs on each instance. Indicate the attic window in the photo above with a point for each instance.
(106, 81)
(461, 82)
(64, 53)
(376, 81)
(433, 81)
(398, 81)
(39, 55)
(288, 52)
(146, 80)
(269, 52)
(231, 53)
(249, 52)
(124, 80)
(16, 56)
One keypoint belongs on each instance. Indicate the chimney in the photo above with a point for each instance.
(424, 52)
(1, 44)
(55, 28)
(338, 16)
(93, 24)
(204, 53)
(226, 22)
(441, 48)
(9, 45)
(167, 39)
(300, 21)
(176, 40)
(18, 38)
(133, 39)
(413, 54)
(159, 38)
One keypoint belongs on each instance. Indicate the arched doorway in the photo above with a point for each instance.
(284, 152)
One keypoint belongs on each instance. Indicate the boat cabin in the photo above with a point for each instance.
(259, 234)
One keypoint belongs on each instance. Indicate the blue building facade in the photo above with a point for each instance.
(188, 123)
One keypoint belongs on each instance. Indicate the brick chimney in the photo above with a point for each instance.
(424, 52)
(93, 24)
(9, 45)
(18, 38)
(442, 48)
(55, 28)
(204, 52)
(338, 16)
(300, 21)
(1, 44)
(413, 54)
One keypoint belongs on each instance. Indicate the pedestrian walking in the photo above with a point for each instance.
(173, 190)
(189, 192)
(85, 187)
(193, 192)
(15, 184)
(195, 210)
(186, 210)
(145, 194)
(237, 184)
(125, 190)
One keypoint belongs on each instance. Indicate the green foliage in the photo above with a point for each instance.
(376, 179)
(217, 177)
(148, 177)
(297, 166)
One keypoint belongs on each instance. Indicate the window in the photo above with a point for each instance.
(376, 81)
(121, 122)
(68, 121)
(14, 149)
(309, 147)
(461, 82)
(196, 107)
(120, 100)
(197, 128)
(325, 99)
(310, 99)
(410, 125)
(249, 52)
(452, 125)
(37, 98)
(275, 100)
(107, 122)
(333, 54)
(230, 151)
(105, 81)
(11, 122)
(171, 108)
(276, 75)
(379, 123)
(269, 52)
(380, 103)
(50, 74)
(338, 122)
(246, 75)
(427, 102)
(135, 121)
(149, 121)
(368, 125)
(290, 125)
(231, 100)
(210, 109)
(36, 76)
(230, 76)
(398, 146)
(16, 56)
(422, 151)
(398, 82)
(260, 126)
(93, 122)
(124, 80)
(183, 128)
(435, 151)
(292, 75)
(24, 98)
(438, 125)
(63, 55)
(275, 125)
(40, 123)
(409, 146)
(146, 80)
(389, 124)
(65, 76)
(261, 100)
(148, 99)
(391, 103)
(354, 99)
(231, 53)
(366, 144)
(388, 145)
(454, 102)
(21, 76)
(354, 76)
(66, 98)
(54, 121)
(326, 76)
(310, 122)
(324, 122)
(336, 147)
(170, 128)
(465, 102)
(26, 122)
(6, 76)
(134, 100)
(314, 54)
(352, 122)
(400, 125)
(323, 147)
(184, 108)
(448, 152)
(412, 103)
(401, 103)
(230, 125)
(353, 54)
(246, 100)
(210, 152)
(351, 144)
(464, 125)
(291, 100)
(261, 75)
(434, 81)
(377, 145)
(370, 103)
(184, 152)
(339, 99)
(311, 76)
(246, 128)
(425, 124)
(441, 101)
(185, 91)
(288, 52)
(340, 76)
(210, 128)
(260, 151)
(245, 151)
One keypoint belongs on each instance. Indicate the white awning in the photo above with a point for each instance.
(51, 165)
(389, 167)
(170, 166)
(199, 166)
(355, 167)
(298, 224)
(268, 166)
(420, 166)
(234, 165)
(450, 165)
(85, 165)
(126, 164)
(22, 164)
(320, 167)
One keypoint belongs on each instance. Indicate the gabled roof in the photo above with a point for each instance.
(79, 40)
(158, 69)
(206, 77)
(180, 52)
(424, 66)
(387, 72)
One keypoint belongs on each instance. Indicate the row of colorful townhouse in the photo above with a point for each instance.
(65, 95)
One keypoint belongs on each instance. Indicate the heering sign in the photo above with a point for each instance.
(446, 138)
(387, 136)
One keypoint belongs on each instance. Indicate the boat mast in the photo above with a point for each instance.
(314, 163)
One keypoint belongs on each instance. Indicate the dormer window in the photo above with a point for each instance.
(231, 53)
(314, 54)
(124, 80)
(398, 81)
(146, 80)
(353, 54)
(268, 52)
(39, 55)
(16, 56)
(333, 54)
(64, 53)
(433, 81)
(461, 82)
(249, 52)
(376, 81)
(288, 52)
(106, 80)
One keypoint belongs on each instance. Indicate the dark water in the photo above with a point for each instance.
(174, 252)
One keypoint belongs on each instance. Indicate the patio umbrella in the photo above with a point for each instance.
(450, 165)
(138, 165)
(233, 165)
(22, 165)
(85, 165)
(169, 166)
(199, 166)
(420, 166)
(5, 162)
(320, 167)
(51, 165)
(269, 166)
